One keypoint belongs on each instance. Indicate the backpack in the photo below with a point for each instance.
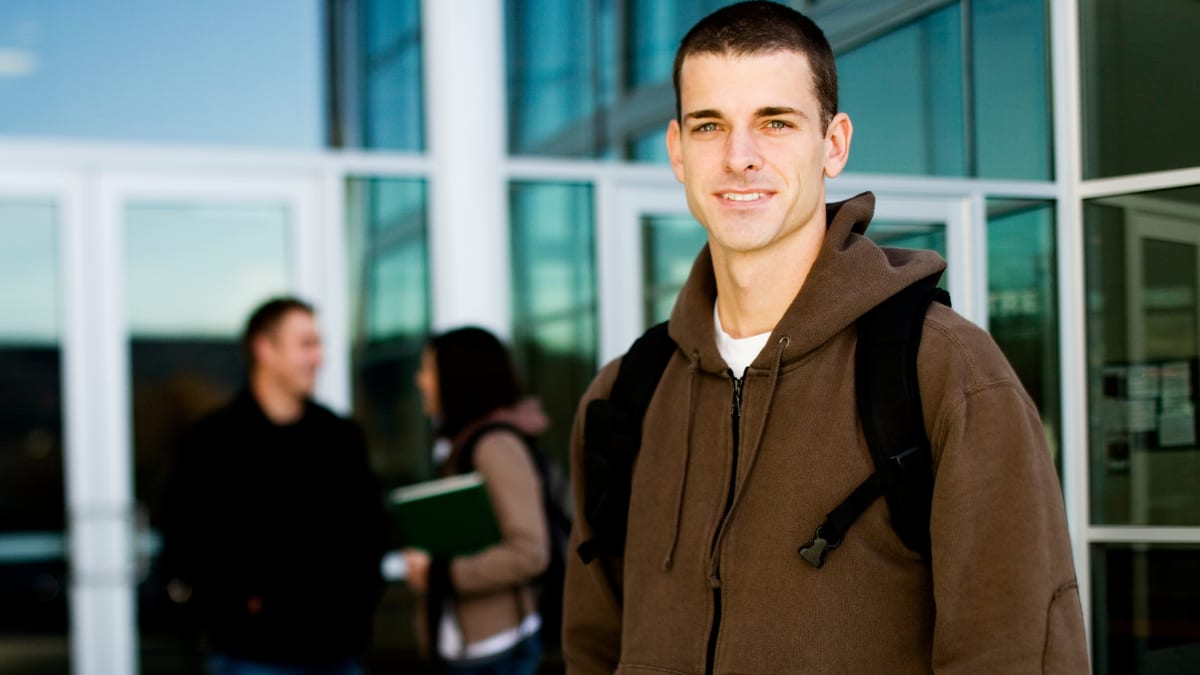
(549, 584)
(889, 405)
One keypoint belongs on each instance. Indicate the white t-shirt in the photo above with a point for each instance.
(738, 353)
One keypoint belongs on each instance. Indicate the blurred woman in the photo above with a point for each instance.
(479, 615)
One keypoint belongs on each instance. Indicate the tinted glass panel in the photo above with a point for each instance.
(1144, 618)
(193, 273)
(1023, 301)
(904, 93)
(1143, 274)
(225, 71)
(390, 113)
(390, 313)
(669, 246)
(1011, 92)
(557, 75)
(1139, 71)
(33, 570)
(904, 234)
(554, 298)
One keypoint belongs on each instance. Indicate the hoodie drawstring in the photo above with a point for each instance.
(693, 368)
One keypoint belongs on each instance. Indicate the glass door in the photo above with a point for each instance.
(34, 587)
(193, 256)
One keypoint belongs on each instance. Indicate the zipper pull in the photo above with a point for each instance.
(737, 396)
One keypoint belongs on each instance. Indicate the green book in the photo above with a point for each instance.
(446, 517)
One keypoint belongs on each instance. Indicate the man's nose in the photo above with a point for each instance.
(742, 152)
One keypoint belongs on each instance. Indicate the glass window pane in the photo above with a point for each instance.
(1139, 94)
(223, 71)
(554, 299)
(390, 310)
(391, 112)
(1144, 618)
(1023, 301)
(556, 85)
(904, 94)
(1143, 280)
(1011, 89)
(33, 569)
(669, 246)
(905, 234)
(653, 29)
(193, 273)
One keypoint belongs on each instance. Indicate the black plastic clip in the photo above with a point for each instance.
(814, 552)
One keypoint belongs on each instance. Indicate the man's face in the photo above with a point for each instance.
(290, 355)
(750, 149)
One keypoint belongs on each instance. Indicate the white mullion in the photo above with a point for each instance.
(1072, 288)
(1145, 182)
(334, 311)
(1121, 534)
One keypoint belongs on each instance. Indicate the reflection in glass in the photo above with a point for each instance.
(653, 29)
(557, 85)
(221, 71)
(193, 273)
(1139, 95)
(1144, 618)
(906, 234)
(388, 59)
(1010, 89)
(669, 246)
(554, 299)
(904, 93)
(1143, 280)
(33, 569)
(390, 310)
(1023, 302)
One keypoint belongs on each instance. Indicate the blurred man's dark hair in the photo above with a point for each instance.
(265, 320)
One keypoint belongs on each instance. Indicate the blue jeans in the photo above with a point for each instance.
(522, 659)
(223, 664)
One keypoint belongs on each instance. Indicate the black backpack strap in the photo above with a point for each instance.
(889, 405)
(612, 437)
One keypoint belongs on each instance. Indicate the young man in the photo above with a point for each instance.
(753, 433)
(273, 523)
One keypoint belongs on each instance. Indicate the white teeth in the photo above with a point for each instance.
(742, 196)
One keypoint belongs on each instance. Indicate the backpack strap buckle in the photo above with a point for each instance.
(815, 550)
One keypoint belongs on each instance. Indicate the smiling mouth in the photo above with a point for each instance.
(743, 196)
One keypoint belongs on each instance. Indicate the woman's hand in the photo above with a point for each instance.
(417, 574)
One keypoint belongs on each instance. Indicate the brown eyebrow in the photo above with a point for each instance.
(767, 111)
(704, 115)
(775, 111)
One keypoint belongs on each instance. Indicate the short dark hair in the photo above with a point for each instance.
(476, 377)
(758, 27)
(266, 319)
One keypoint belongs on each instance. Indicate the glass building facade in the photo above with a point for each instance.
(165, 166)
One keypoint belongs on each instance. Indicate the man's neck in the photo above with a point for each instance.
(281, 407)
(755, 289)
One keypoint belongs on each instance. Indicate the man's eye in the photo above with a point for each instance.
(707, 126)
(778, 124)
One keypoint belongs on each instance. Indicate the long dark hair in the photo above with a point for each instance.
(475, 375)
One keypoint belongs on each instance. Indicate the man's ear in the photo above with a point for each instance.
(673, 150)
(263, 346)
(837, 144)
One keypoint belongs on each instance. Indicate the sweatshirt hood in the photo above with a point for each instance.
(850, 276)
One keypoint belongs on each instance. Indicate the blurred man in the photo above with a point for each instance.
(273, 524)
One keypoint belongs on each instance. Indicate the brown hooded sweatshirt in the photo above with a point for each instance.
(712, 581)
